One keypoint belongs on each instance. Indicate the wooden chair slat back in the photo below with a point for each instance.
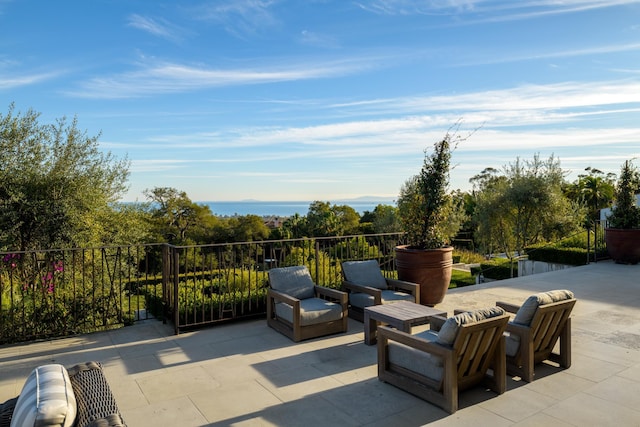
(547, 324)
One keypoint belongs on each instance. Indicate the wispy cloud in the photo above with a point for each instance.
(155, 165)
(556, 112)
(479, 11)
(156, 27)
(9, 81)
(240, 18)
(485, 59)
(318, 40)
(174, 78)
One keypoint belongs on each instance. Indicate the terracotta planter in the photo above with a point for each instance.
(623, 245)
(430, 268)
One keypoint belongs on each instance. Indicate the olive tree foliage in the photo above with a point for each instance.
(178, 220)
(54, 185)
(522, 206)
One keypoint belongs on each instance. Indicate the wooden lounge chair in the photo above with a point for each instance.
(457, 353)
(366, 286)
(299, 309)
(539, 323)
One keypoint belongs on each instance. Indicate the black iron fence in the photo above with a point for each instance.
(63, 292)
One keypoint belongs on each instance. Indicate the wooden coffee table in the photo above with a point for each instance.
(401, 315)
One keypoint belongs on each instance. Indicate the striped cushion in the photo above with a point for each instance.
(46, 399)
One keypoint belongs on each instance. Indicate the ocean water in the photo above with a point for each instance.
(282, 208)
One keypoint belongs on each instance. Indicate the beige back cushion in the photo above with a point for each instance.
(449, 331)
(528, 309)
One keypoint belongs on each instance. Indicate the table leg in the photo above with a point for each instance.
(370, 327)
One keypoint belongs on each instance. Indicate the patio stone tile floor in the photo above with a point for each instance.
(246, 374)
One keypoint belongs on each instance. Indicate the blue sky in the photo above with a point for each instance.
(328, 99)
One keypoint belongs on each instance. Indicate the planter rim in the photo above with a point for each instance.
(406, 248)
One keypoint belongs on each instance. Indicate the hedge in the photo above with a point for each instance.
(569, 256)
(496, 268)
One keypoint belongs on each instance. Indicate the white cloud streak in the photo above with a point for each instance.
(482, 11)
(174, 78)
(9, 82)
(159, 28)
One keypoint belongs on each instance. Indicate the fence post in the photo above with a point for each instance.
(176, 284)
(317, 249)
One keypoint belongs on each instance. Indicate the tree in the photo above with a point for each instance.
(386, 220)
(248, 228)
(348, 219)
(323, 220)
(594, 190)
(293, 227)
(54, 182)
(526, 205)
(178, 220)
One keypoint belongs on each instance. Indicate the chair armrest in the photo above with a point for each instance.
(374, 292)
(508, 307)
(436, 322)
(363, 289)
(412, 288)
(279, 296)
(389, 334)
(332, 294)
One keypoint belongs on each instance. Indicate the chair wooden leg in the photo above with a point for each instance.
(500, 368)
(450, 386)
(528, 359)
(565, 345)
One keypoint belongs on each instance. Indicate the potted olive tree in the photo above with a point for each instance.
(430, 216)
(623, 233)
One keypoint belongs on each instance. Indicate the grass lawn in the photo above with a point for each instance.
(461, 278)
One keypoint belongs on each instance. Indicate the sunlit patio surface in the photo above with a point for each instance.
(245, 374)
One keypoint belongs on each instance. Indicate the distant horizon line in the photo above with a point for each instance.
(362, 199)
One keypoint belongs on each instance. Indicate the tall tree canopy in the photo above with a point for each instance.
(524, 205)
(54, 182)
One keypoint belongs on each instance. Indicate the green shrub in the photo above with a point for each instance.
(460, 278)
(497, 269)
(562, 255)
(468, 257)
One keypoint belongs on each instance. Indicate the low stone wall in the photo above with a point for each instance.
(527, 267)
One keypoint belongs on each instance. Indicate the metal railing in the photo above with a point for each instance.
(222, 282)
(53, 293)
